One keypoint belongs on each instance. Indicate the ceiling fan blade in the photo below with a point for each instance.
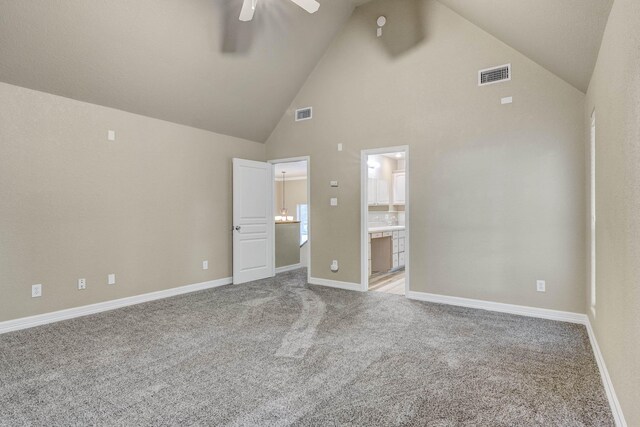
(309, 5)
(248, 9)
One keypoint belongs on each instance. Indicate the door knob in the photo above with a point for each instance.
(237, 228)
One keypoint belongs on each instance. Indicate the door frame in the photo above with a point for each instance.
(364, 209)
(592, 214)
(291, 160)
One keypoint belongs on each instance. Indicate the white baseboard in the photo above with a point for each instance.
(563, 316)
(335, 284)
(56, 316)
(70, 313)
(616, 409)
(288, 268)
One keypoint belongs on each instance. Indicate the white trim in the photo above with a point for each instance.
(592, 214)
(288, 268)
(70, 313)
(543, 313)
(349, 286)
(364, 209)
(56, 316)
(616, 409)
(308, 177)
(563, 316)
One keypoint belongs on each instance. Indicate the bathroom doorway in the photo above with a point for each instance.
(385, 220)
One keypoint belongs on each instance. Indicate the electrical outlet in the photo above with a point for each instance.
(541, 286)
(82, 284)
(334, 265)
(340, 147)
(205, 265)
(36, 291)
(111, 279)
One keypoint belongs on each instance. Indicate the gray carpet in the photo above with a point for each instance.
(280, 352)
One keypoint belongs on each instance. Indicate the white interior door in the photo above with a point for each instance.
(253, 221)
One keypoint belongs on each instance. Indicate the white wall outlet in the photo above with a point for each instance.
(340, 147)
(111, 135)
(111, 279)
(333, 183)
(333, 201)
(541, 286)
(334, 265)
(82, 284)
(36, 291)
(205, 265)
(507, 100)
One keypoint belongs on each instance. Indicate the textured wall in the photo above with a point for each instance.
(150, 206)
(497, 191)
(614, 92)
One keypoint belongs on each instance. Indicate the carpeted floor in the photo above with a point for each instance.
(279, 352)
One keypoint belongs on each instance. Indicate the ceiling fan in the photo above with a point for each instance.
(249, 7)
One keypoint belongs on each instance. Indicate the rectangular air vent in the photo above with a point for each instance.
(494, 75)
(303, 114)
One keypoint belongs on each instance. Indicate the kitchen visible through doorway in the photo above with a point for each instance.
(291, 212)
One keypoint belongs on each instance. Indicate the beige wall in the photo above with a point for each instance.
(149, 207)
(497, 192)
(614, 92)
(295, 194)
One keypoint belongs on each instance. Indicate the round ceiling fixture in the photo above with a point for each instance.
(381, 21)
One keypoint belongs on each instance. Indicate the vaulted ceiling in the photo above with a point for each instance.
(563, 36)
(192, 62)
(186, 61)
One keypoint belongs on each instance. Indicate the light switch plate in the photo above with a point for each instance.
(541, 286)
(506, 100)
(334, 201)
(111, 135)
(205, 265)
(340, 147)
(111, 279)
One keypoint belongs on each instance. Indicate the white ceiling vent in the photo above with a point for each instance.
(303, 114)
(494, 75)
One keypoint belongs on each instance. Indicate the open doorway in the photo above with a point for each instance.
(385, 220)
(291, 210)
